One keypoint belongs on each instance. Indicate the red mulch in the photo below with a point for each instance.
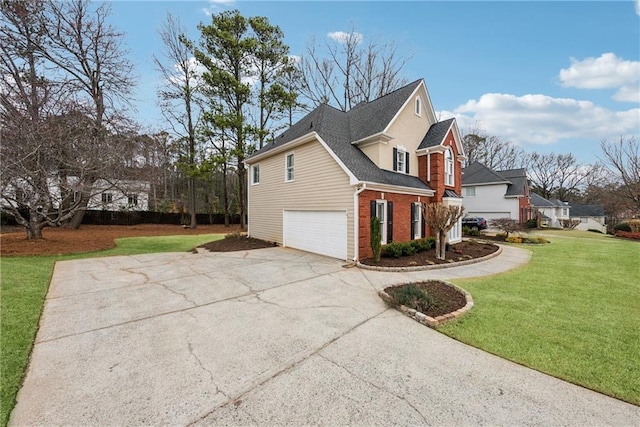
(87, 238)
(235, 242)
(459, 252)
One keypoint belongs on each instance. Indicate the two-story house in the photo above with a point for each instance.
(317, 185)
(496, 194)
(553, 211)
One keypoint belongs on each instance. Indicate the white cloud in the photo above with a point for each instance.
(341, 36)
(214, 5)
(628, 93)
(606, 71)
(638, 7)
(541, 119)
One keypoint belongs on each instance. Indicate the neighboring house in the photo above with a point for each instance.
(592, 217)
(495, 194)
(317, 185)
(127, 195)
(105, 195)
(553, 211)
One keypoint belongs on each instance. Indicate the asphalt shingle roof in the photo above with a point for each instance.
(338, 129)
(435, 134)
(586, 210)
(518, 179)
(477, 173)
(540, 202)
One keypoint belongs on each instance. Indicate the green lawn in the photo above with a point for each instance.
(24, 283)
(573, 312)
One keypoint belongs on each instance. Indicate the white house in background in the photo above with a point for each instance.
(495, 194)
(121, 195)
(592, 217)
(553, 211)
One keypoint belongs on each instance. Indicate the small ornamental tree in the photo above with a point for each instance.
(506, 225)
(570, 223)
(376, 239)
(441, 219)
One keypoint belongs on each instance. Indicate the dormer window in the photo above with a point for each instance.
(400, 160)
(448, 168)
(418, 107)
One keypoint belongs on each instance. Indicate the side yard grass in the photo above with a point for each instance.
(573, 312)
(24, 282)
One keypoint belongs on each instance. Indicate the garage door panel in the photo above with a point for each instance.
(321, 232)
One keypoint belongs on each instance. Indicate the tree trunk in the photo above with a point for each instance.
(441, 245)
(192, 202)
(34, 230)
(78, 216)
(242, 181)
(225, 196)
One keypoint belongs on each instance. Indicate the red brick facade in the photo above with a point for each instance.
(401, 219)
(435, 162)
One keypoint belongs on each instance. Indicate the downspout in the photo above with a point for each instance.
(356, 220)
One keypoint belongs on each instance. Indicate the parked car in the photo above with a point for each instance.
(472, 222)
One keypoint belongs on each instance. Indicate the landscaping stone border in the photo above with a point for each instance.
(433, 322)
(434, 266)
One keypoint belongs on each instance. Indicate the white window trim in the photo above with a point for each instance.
(449, 176)
(417, 229)
(401, 153)
(383, 221)
(417, 107)
(253, 174)
(286, 167)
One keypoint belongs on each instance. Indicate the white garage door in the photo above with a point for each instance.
(321, 232)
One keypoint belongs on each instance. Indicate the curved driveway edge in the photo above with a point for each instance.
(271, 337)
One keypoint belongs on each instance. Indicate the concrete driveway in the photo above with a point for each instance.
(271, 337)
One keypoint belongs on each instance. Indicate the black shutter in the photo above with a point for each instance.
(395, 159)
(424, 223)
(373, 208)
(389, 222)
(413, 225)
(406, 162)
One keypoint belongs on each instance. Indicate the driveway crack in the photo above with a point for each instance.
(366, 381)
(173, 291)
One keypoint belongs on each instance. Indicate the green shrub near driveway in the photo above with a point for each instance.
(24, 284)
(572, 312)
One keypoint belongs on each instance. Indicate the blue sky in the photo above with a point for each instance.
(549, 76)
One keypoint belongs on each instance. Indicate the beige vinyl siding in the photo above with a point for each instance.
(319, 184)
(407, 130)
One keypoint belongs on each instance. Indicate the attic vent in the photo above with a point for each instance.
(311, 125)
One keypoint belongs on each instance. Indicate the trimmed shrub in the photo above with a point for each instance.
(531, 223)
(392, 250)
(413, 297)
(513, 239)
(398, 249)
(623, 226)
(376, 238)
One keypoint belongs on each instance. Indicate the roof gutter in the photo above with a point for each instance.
(356, 219)
(284, 147)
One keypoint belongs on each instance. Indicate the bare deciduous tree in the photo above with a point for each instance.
(351, 72)
(558, 175)
(491, 150)
(179, 70)
(441, 219)
(58, 81)
(623, 159)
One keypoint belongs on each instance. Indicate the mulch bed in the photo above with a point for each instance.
(462, 251)
(59, 241)
(446, 299)
(235, 242)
